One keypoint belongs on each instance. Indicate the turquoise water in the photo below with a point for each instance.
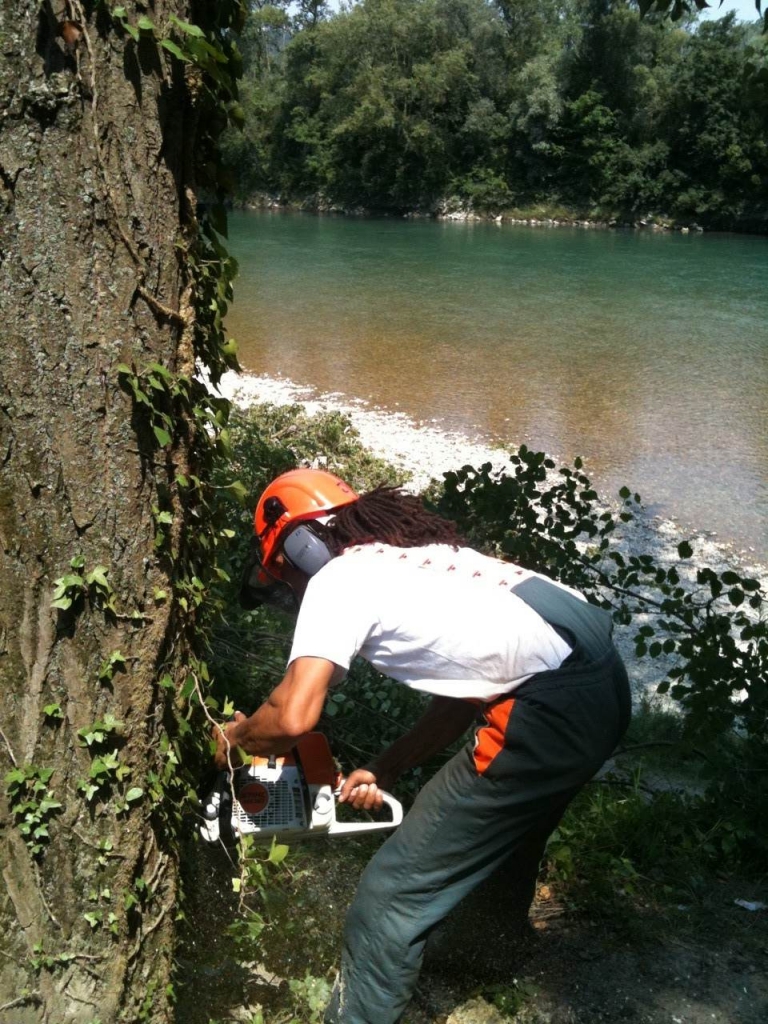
(646, 354)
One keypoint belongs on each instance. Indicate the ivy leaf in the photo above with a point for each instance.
(98, 575)
(160, 370)
(238, 490)
(163, 437)
(133, 794)
(145, 24)
(172, 48)
(277, 853)
(185, 26)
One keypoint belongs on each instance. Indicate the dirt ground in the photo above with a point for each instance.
(704, 961)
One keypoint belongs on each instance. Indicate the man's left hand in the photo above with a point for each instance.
(223, 736)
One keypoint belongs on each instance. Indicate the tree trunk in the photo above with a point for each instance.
(95, 214)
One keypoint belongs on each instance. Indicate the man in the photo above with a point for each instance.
(381, 577)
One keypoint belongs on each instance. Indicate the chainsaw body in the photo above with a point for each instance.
(293, 797)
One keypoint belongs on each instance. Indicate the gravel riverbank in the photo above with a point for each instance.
(424, 452)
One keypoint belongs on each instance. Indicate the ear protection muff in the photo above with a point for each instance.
(305, 550)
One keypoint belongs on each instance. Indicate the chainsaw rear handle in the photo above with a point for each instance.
(344, 828)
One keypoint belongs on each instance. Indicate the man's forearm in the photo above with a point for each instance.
(290, 711)
(444, 721)
(262, 734)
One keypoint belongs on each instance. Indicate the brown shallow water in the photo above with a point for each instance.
(646, 354)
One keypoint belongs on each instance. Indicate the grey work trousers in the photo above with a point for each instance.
(557, 729)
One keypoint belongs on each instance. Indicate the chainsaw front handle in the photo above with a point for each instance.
(343, 828)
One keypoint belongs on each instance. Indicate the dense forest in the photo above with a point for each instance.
(494, 105)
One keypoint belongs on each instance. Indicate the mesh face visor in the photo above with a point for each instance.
(258, 587)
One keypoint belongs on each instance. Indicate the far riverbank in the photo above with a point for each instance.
(542, 214)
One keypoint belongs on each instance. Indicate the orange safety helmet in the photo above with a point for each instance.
(293, 497)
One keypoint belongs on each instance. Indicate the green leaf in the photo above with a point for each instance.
(98, 576)
(15, 777)
(277, 853)
(133, 794)
(185, 26)
(161, 370)
(237, 490)
(145, 24)
(172, 48)
(163, 437)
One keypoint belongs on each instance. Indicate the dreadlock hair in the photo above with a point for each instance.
(389, 516)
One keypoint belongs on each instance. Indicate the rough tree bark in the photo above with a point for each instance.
(96, 207)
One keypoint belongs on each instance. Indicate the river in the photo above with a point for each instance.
(645, 353)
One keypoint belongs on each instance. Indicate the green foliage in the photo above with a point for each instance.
(78, 586)
(709, 628)
(32, 803)
(311, 996)
(655, 828)
(509, 999)
(402, 105)
(626, 837)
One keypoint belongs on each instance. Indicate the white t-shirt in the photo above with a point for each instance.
(435, 619)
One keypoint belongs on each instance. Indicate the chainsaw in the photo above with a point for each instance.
(292, 796)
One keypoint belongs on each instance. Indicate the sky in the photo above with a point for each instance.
(745, 9)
